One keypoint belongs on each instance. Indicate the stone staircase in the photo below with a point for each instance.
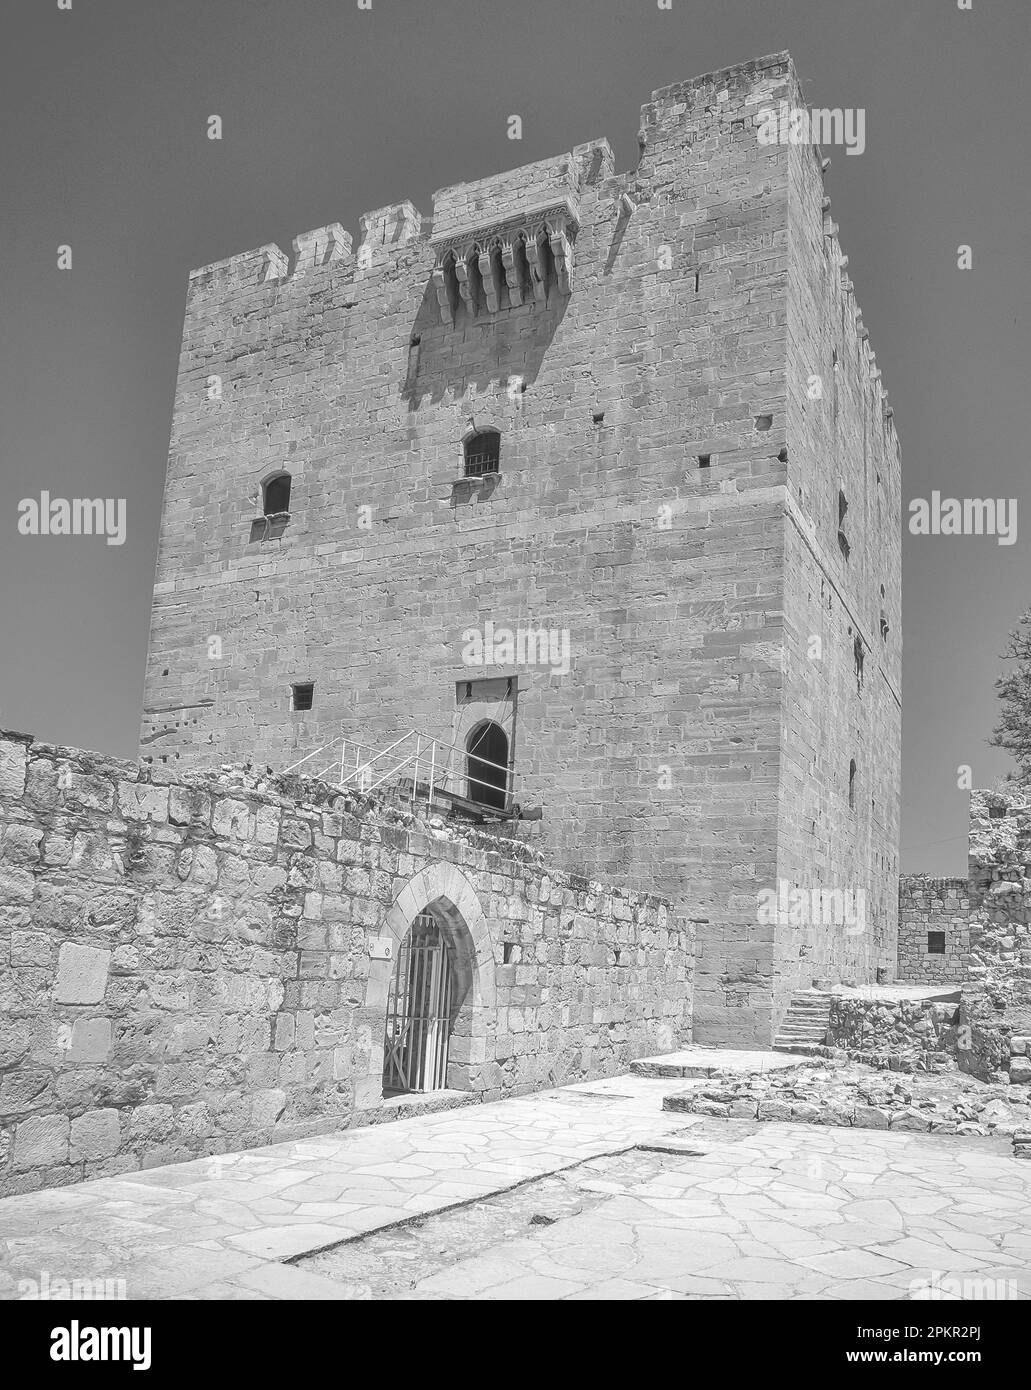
(804, 1027)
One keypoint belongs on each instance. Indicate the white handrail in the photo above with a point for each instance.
(438, 752)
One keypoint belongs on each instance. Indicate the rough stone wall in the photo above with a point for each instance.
(187, 968)
(933, 904)
(839, 439)
(657, 756)
(899, 1035)
(996, 1010)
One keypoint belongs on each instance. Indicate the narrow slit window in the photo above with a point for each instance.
(852, 785)
(843, 542)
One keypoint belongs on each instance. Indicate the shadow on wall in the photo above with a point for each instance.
(478, 351)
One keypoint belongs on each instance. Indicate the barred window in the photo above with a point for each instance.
(482, 453)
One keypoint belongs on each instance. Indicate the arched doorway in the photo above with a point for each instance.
(487, 765)
(447, 895)
(420, 1010)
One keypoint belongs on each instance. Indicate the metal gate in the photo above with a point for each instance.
(419, 1011)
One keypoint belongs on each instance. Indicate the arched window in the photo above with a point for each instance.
(852, 785)
(487, 765)
(482, 453)
(275, 495)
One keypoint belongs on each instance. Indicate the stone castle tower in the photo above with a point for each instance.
(637, 412)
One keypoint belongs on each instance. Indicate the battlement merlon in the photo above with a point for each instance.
(754, 82)
(734, 91)
(491, 222)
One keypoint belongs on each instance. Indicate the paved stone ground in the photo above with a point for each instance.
(736, 1209)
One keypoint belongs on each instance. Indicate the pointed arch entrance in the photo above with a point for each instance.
(420, 1011)
(437, 989)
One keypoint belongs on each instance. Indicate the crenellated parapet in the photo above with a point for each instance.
(381, 233)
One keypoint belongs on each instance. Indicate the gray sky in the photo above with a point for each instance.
(329, 111)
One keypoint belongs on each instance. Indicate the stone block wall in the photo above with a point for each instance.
(652, 446)
(933, 904)
(841, 700)
(996, 1015)
(193, 966)
(900, 1035)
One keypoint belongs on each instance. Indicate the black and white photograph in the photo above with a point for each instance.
(478, 483)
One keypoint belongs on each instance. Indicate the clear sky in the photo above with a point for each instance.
(328, 111)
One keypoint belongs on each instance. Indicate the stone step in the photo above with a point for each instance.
(694, 1062)
(803, 1029)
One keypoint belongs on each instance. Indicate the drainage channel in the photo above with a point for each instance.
(397, 1258)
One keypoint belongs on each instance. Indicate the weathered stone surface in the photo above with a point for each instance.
(847, 1093)
(933, 905)
(94, 1135)
(899, 1034)
(138, 801)
(41, 1141)
(20, 844)
(81, 974)
(229, 1018)
(268, 1106)
(13, 761)
(90, 1041)
(16, 885)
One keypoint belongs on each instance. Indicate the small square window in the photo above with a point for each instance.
(935, 943)
(302, 697)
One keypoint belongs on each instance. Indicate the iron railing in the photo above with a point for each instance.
(359, 767)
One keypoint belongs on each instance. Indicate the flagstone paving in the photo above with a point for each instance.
(734, 1209)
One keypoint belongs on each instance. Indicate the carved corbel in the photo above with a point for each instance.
(490, 278)
(443, 291)
(513, 274)
(465, 285)
(562, 250)
(538, 270)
